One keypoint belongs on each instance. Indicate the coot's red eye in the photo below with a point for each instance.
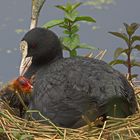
(33, 45)
(23, 81)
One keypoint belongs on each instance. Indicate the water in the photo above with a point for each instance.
(15, 18)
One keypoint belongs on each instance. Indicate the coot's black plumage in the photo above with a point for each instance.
(65, 89)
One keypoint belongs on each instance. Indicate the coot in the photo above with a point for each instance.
(68, 90)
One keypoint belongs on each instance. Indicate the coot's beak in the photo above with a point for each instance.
(26, 61)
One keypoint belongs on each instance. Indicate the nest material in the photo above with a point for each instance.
(15, 128)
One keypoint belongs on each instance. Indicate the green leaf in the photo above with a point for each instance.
(120, 35)
(69, 7)
(65, 26)
(117, 52)
(76, 5)
(73, 53)
(74, 29)
(66, 32)
(135, 38)
(137, 47)
(53, 23)
(71, 16)
(71, 42)
(120, 51)
(66, 41)
(130, 29)
(85, 18)
(126, 26)
(61, 7)
(135, 26)
(86, 46)
(118, 61)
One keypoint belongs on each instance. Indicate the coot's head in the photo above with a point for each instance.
(39, 46)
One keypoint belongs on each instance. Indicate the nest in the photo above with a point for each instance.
(15, 128)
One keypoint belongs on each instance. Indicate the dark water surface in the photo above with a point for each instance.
(15, 17)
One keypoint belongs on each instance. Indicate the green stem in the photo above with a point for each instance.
(129, 59)
(69, 27)
(48, 120)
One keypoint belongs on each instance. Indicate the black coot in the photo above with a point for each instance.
(68, 90)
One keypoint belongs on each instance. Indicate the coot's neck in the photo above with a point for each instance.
(47, 59)
(35, 66)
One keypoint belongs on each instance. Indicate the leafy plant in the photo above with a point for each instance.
(130, 39)
(71, 38)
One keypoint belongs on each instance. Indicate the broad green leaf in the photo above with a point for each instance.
(69, 6)
(137, 47)
(126, 26)
(135, 63)
(75, 41)
(120, 35)
(117, 52)
(85, 18)
(63, 45)
(66, 32)
(76, 5)
(53, 23)
(65, 26)
(61, 7)
(86, 46)
(135, 38)
(118, 61)
(120, 51)
(71, 42)
(73, 53)
(74, 29)
(71, 16)
(135, 26)
(130, 29)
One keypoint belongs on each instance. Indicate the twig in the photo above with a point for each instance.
(36, 7)
(5, 130)
(65, 131)
(48, 120)
(102, 131)
(100, 55)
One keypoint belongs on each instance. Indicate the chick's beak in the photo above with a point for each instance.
(26, 61)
